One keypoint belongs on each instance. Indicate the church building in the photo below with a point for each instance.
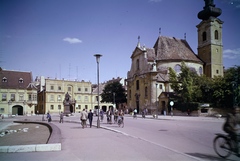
(148, 85)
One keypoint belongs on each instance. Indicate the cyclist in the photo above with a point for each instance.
(135, 113)
(230, 126)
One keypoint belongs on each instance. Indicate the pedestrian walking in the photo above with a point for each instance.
(101, 114)
(61, 117)
(109, 117)
(90, 118)
(83, 118)
(49, 118)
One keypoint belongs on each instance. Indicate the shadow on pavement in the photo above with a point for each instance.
(208, 157)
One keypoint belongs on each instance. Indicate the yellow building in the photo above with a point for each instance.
(52, 94)
(18, 93)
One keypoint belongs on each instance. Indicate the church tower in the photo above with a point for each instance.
(210, 39)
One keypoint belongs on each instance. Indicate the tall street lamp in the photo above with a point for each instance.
(98, 59)
(156, 102)
(114, 107)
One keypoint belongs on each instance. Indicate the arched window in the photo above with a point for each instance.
(161, 86)
(200, 70)
(20, 80)
(146, 92)
(216, 34)
(177, 68)
(137, 64)
(130, 94)
(137, 85)
(4, 79)
(204, 36)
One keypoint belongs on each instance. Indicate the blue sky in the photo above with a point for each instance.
(58, 38)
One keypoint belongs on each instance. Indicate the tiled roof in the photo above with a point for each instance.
(150, 54)
(14, 79)
(170, 48)
(162, 76)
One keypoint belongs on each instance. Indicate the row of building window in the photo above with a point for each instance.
(177, 69)
(4, 79)
(204, 35)
(69, 88)
(79, 98)
(31, 97)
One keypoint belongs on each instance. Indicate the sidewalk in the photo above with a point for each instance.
(187, 118)
(89, 144)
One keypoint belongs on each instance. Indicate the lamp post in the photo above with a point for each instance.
(171, 104)
(114, 101)
(156, 102)
(43, 105)
(9, 109)
(98, 59)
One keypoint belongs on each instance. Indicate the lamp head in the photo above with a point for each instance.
(97, 57)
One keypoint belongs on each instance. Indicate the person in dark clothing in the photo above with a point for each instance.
(61, 117)
(230, 126)
(90, 118)
(49, 118)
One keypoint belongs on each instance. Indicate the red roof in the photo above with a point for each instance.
(14, 79)
(173, 49)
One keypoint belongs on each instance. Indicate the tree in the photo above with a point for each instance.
(232, 87)
(219, 91)
(183, 83)
(174, 80)
(114, 92)
(204, 92)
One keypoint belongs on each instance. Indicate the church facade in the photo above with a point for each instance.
(148, 85)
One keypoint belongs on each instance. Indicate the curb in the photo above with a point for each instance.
(30, 148)
(53, 143)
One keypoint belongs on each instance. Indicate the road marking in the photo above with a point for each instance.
(170, 149)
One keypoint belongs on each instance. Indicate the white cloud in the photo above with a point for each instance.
(72, 40)
(231, 53)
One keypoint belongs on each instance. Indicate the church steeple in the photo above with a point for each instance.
(209, 10)
(138, 44)
(210, 47)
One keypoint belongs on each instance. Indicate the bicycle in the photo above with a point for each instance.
(115, 119)
(224, 146)
(109, 119)
(134, 115)
(120, 122)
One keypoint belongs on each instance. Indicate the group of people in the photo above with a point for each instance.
(84, 116)
(117, 114)
(49, 117)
